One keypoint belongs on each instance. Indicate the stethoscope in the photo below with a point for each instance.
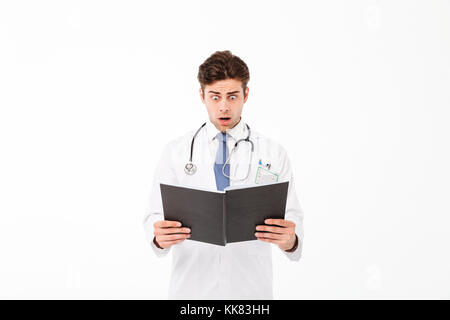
(190, 168)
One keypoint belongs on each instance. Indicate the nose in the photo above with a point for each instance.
(224, 108)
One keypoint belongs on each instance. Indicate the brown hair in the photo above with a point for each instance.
(222, 65)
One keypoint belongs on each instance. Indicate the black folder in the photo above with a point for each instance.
(221, 217)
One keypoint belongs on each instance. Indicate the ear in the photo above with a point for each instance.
(200, 91)
(246, 95)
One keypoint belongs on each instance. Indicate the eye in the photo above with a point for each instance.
(214, 98)
(234, 97)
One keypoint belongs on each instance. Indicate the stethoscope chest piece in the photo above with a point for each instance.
(190, 168)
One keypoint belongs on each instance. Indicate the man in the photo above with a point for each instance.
(241, 270)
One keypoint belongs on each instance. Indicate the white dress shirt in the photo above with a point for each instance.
(241, 270)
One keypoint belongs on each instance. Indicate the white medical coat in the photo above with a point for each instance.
(241, 270)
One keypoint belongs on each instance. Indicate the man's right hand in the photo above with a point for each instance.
(167, 233)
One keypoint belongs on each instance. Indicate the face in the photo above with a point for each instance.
(224, 100)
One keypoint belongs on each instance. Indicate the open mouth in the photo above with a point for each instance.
(224, 120)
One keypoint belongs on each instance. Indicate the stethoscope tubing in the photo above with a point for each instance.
(192, 142)
(190, 168)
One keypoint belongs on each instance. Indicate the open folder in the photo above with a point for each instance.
(221, 217)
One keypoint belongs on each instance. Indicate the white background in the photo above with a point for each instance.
(356, 91)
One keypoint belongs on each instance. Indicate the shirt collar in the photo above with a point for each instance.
(237, 132)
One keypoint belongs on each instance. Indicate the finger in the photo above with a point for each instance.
(274, 229)
(270, 240)
(167, 244)
(166, 224)
(273, 236)
(161, 231)
(171, 237)
(280, 222)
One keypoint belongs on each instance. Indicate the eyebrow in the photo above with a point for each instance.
(237, 91)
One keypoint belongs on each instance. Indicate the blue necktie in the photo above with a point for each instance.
(222, 154)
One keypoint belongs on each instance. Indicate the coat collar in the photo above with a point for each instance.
(239, 131)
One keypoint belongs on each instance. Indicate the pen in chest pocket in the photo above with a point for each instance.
(267, 165)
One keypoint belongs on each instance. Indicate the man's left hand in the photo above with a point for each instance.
(281, 232)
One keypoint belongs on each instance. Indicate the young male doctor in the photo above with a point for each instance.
(241, 270)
